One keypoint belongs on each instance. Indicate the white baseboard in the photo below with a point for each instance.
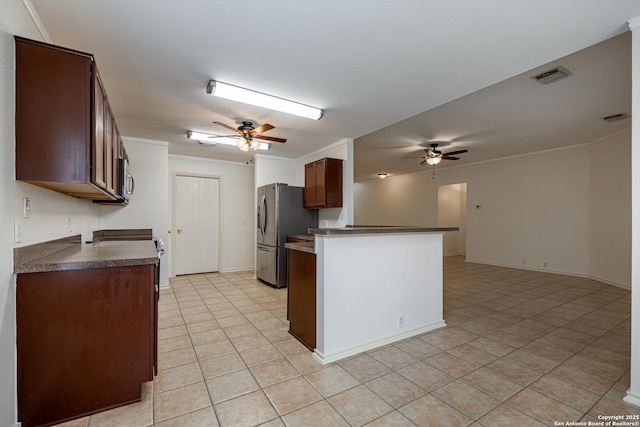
(609, 282)
(632, 398)
(328, 358)
(551, 271)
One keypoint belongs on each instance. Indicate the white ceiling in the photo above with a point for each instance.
(370, 64)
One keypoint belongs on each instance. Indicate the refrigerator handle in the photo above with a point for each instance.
(259, 226)
(263, 229)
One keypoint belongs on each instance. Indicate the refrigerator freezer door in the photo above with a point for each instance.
(260, 227)
(267, 263)
(270, 216)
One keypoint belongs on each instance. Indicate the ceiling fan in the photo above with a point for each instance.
(249, 136)
(435, 156)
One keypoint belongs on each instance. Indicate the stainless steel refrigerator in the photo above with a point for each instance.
(281, 212)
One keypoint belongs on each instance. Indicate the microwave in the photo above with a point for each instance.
(126, 181)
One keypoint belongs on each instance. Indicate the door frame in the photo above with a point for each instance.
(174, 177)
(463, 224)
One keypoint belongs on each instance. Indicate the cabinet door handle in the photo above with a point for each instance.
(179, 230)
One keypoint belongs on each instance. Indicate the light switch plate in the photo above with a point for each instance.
(17, 231)
(26, 207)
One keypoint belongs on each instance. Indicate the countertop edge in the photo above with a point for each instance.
(34, 267)
(71, 254)
(378, 230)
(308, 247)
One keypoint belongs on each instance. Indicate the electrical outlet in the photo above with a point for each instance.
(401, 321)
(544, 264)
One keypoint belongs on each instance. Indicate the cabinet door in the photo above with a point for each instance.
(85, 340)
(310, 185)
(117, 155)
(108, 152)
(333, 183)
(301, 297)
(98, 171)
(53, 114)
(323, 184)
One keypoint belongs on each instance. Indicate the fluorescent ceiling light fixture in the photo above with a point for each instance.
(235, 93)
(212, 139)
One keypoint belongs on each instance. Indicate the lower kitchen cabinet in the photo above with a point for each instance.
(301, 296)
(86, 340)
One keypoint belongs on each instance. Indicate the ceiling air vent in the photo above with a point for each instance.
(553, 75)
(616, 117)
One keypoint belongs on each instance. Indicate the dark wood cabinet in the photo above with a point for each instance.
(323, 184)
(66, 135)
(301, 296)
(86, 340)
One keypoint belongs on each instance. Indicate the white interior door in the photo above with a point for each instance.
(196, 224)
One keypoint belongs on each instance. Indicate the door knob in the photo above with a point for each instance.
(179, 230)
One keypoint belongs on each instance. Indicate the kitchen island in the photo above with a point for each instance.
(374, 286)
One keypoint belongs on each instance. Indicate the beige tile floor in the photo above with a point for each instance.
(521, 348)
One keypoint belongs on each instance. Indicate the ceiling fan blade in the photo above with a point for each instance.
(424, 162)
(450, 158)
(226, 126)
(262, 128)
(270, 138)
(453, 153)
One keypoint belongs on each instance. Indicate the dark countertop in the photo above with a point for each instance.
(70, 254)
(378, 230)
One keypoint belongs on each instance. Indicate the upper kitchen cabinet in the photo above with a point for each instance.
(66, 137)
(323, 184)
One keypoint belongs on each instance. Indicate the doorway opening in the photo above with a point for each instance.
(452, 212)
(196, 224)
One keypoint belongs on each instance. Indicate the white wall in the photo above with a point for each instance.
(633, 394)
(270, 170)
(237, 219)
(149, 205)
(533, 208)
(397, 200)
(610, 209)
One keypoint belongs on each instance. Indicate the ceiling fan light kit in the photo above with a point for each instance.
(211, 139)
(435, 156)
(434, 160)
(247, 96)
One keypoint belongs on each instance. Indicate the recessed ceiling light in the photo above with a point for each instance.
(235, 93)
(382, 175)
